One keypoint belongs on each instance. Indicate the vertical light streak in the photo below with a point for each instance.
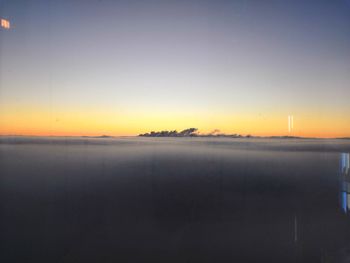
(295, 229)
(290, 123)
(344, 202)
(289, 127)
(345, 183)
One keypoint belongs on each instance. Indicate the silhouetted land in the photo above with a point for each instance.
(99, 137)
(190, 132)
(193, 132)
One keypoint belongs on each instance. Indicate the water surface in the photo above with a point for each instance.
(174, 200)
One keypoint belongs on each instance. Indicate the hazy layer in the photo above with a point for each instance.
(171, 200)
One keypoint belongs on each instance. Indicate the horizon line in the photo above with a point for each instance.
(249, 136)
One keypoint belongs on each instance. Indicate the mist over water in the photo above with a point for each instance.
(173, 200)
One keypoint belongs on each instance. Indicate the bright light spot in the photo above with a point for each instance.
(5, 23)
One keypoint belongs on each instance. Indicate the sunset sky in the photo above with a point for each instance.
(128, 67)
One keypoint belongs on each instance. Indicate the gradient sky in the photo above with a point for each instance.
(127, 67)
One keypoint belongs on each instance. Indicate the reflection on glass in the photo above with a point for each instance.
(5, 23)
(345, 182)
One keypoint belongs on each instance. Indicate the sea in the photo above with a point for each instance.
(137, 199)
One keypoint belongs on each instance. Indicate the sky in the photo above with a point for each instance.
(98, 67)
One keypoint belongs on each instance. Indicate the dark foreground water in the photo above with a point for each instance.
(173, 200)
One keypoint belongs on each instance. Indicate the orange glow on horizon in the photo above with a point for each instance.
(39, 122)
